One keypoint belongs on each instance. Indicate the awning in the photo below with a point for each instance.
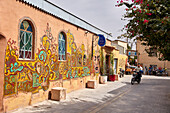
(109, 47)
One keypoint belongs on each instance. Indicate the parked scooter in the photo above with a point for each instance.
(161, 72)
(121, 73)
(136, 78)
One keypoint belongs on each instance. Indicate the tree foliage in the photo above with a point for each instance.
(148, 21)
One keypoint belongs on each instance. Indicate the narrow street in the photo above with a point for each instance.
(151, 96)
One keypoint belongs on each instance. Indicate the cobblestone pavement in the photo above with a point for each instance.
(151, 96)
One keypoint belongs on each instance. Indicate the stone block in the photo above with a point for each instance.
(58, 93)
(92, 84)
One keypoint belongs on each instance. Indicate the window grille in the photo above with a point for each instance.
(62, 47)
(26, 40)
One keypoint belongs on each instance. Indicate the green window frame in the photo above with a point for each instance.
(26, 40)
(62, 46)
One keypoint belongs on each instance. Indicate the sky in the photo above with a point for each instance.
(100, 13)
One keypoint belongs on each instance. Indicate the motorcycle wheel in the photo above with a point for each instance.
(132, 81)
(138, 81)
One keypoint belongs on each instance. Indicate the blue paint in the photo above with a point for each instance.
(102, 40)
(14, 67)
(43, 56)
(36, 80)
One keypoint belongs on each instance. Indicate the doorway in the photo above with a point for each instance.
(115, 66)
(2, 64)
(107, 64)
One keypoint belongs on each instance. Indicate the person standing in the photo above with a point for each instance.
(141, 69)
(150, 70)
(145, 70)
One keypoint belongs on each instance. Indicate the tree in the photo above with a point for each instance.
(148, 21)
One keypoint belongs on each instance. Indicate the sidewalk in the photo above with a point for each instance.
(84, 98)
(86, 95)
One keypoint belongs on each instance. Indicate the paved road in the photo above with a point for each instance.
(151, 96)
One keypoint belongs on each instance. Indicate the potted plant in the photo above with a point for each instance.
(103, 77)
(111, 71)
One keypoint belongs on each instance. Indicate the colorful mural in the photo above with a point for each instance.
(36, 74)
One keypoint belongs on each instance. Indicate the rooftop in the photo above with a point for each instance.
(60, 13)
(120, 41)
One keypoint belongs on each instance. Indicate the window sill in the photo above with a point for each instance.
(62, 60)
(21, 59)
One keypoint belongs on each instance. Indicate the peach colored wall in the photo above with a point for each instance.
(108, 42)
(116, 56)
(13, 12)
(124, 44)
(122, 60)
(146, 60)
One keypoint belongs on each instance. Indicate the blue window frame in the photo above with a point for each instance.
(62, 46)
(26, 40)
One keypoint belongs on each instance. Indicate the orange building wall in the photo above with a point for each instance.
(69, 74)
(147, 61)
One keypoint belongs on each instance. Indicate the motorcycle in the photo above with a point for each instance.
(136, 78)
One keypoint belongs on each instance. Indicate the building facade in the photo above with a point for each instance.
(132, 57)
(145, 60)
(120, 54)
(114, 57)
(43, 46)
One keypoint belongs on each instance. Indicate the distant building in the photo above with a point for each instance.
(120, 57)
(146, 60)
(120, 45)
(132, 57)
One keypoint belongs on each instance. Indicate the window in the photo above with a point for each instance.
(26, 40)
(62, 46)
(153, 52)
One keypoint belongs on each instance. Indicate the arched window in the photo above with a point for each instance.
(62, 46)
(26, 40)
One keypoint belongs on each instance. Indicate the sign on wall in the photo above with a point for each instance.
(132, 53)
(102, 40)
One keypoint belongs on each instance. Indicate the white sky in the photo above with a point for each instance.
(100, 13)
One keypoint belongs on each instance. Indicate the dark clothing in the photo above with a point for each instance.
(139, 74)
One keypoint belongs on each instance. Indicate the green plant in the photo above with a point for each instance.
(148, 22)
(102, 64)
(104, 69)
(111, 71)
